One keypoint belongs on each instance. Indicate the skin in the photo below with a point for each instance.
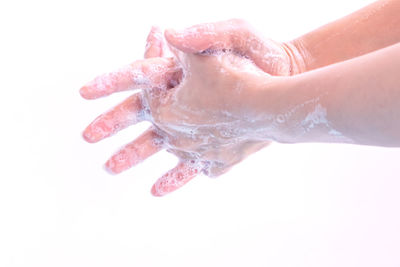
(371, 28)
(361, 97)
(366, 30)
(183, 121)
(227, 92)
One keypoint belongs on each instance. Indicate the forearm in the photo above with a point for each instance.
(356, 101)
(371, 28)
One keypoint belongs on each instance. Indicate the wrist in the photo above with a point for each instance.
(287, 110)
(305, 114)
(275, 109)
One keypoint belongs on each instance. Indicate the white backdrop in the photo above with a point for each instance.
(288, 205)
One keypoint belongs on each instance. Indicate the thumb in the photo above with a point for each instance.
(198, 38)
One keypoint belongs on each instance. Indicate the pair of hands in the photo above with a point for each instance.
(200, 101)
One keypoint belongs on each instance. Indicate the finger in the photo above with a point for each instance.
(175, 178)
(228, 34)
(147, 144)
(152, 72)
(154, 43)
(127, 113)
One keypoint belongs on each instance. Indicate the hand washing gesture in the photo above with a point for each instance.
(203, 109)
(226, 92)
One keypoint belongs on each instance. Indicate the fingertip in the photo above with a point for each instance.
(88, 93)
(119, 162)
(109, 167)
(94, 132)
(171, 35)
(154, 35)
(88, 136)
(84, 92)
(155, 192)
(154, 28)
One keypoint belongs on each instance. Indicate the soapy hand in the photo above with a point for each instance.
(238, 36)
(201, 107)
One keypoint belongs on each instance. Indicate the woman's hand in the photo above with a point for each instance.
(238, 36)
(210, 118)
(203, 109)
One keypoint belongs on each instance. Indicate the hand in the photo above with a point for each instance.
(188, 122)
(279, 59)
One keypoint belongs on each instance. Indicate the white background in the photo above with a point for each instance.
(288, 205)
